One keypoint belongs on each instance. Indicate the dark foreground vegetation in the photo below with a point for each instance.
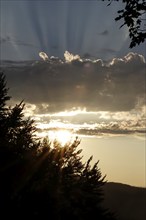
(133, 16)
(42, 179)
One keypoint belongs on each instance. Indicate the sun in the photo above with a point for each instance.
(62, 136)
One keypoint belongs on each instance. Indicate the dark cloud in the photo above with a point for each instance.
(104, 33)
(4, 39)
(78, 82)
(106, 131)
(87, 56)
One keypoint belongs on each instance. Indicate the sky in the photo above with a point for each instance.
(72, 66)
(81, 27)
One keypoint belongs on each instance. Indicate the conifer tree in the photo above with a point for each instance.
(42, 179)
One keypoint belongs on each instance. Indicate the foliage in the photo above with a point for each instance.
(43, 179)
(3, 94)
(133, 16)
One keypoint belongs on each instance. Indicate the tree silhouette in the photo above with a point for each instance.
(133, 16)
(17, 148)
(3, 93)
(42, 179)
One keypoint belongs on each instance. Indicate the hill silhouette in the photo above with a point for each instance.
(128, 202)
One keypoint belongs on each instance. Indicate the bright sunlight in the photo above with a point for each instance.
(62, 136)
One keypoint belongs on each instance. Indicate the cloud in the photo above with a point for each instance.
(43, 56)
(77, 82)
(91, 124)
(4, 39)
(104, 33)
(69, 57)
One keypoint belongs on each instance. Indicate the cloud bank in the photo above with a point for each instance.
(56, 85)
(91, 123)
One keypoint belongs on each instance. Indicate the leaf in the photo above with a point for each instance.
(120, 11)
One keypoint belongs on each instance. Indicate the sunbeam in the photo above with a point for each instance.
(57, 26)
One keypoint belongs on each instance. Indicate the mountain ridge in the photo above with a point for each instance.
(126, 201)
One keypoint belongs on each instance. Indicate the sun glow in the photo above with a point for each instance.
(62, 136)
